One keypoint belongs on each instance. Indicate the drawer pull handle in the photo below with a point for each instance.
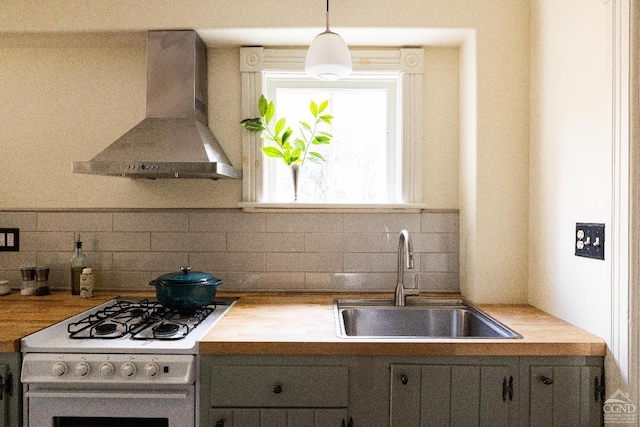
(546, 380)
(219, 423)
(404, 379)
(277, 389)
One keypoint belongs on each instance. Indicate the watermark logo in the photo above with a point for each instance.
(618, 409)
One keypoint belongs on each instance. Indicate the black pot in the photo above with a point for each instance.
(185, 289)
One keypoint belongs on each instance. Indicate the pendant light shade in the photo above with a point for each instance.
(328, 57)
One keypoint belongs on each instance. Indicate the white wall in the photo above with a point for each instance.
(579, 172)
(110, 80)
(570, 168)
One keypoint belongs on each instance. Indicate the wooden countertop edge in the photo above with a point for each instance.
(435, 348)
(10, 347)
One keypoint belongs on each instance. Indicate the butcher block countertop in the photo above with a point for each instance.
(303, 324)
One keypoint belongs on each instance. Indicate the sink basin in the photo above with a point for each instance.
(422, 318)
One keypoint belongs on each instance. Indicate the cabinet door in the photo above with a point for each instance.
(4, 402)
(564, 396)
(450, 395)
(281, 417)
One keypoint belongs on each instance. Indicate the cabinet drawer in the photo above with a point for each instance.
(279, 386)
(277, 417)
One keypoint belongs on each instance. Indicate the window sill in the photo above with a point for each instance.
(333, 207)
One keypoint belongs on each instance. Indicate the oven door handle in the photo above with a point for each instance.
(106, 395)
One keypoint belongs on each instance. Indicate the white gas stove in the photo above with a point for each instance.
(125, 362)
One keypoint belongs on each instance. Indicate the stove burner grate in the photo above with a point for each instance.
(144, 320)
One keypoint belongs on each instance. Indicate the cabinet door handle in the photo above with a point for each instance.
(6, 386)
(546, 380)
(277, 389)
(507, 389)
(598, 389)
(404, 379)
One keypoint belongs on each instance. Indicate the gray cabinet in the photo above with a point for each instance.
(399, 391)
(453, 394)
(240, 393)
(10, 390)
(563, 391)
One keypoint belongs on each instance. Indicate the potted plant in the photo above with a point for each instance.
(294, 150)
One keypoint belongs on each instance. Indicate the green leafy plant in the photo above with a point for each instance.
(291, 149)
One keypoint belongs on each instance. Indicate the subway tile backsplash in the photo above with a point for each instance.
(250, 251)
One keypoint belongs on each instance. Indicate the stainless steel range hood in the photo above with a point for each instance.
(173, 141)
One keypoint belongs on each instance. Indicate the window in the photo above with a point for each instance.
(362, 161)
(374, 157)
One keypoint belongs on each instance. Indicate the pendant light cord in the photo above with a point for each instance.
(327, 29)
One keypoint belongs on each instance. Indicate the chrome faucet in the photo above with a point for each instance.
(405, 253)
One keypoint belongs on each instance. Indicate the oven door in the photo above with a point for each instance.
(101, 408)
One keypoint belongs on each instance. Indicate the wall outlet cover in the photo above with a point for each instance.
(10, 239)
(589, 240)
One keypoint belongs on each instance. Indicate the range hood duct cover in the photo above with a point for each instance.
(173, 141)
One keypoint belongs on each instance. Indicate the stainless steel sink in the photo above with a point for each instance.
(421, 318)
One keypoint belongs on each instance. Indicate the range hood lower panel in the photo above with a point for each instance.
(153, 170)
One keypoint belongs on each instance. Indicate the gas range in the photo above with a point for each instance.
(125, 362)
(129, 325)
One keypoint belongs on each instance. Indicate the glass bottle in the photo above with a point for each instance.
(78, 262)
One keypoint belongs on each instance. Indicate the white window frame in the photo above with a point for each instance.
(409, 62)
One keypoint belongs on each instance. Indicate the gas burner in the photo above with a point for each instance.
(165, 329)
(105, 329)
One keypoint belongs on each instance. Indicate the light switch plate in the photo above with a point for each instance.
(589, 240)
(9, 239)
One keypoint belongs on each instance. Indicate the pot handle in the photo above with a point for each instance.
(152, 283)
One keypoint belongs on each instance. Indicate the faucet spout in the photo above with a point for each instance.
(405, 257)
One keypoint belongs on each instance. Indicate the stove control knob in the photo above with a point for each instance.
(82, 369)
(59, 369)
(128, 369)
(106, 369)
(151, 370)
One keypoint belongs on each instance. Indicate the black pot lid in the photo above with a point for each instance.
(186, 277)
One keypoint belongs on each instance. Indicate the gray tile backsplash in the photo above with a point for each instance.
(250, 251)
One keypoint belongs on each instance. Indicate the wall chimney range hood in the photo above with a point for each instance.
(173, 141)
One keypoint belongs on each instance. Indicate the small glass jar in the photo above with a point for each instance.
(42, 281)
(28, 286)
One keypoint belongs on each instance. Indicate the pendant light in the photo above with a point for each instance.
(328, 57)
